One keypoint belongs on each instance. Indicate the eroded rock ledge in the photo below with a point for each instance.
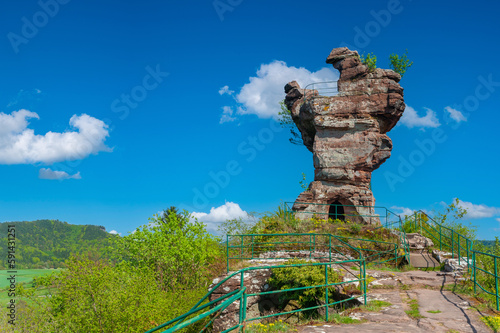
(346, 133)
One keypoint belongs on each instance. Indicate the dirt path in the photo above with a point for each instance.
(442, 311)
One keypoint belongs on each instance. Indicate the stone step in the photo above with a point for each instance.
(423, 260)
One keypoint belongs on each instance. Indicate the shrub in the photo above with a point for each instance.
(303, 276)
(400, 64)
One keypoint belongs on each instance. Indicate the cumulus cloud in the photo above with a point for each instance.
(228, 211)
(455, 114)
(20, 145)
(227, 113)
(411, 118)
(403, 210)
(262, 94)
(114, 232)
(59, 175)
(479, 211)
(225, 90)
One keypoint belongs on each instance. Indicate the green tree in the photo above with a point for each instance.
(175, 247)
(286, 121)
(400, 64)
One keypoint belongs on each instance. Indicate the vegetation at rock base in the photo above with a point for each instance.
(163, 268)
(493, 322)
(304, 276)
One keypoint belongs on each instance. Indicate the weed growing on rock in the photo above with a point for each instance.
(493, 322)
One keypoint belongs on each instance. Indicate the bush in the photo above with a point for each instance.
(400, 64)
(303, 276)
(370, 60)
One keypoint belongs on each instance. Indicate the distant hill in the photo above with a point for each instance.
(488, 243)
(48, 243)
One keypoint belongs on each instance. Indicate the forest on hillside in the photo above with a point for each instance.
(49, 243)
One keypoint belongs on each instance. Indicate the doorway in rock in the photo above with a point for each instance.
(336, 211)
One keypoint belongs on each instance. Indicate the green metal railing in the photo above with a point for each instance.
(241, 294)
(482, 267)
(493, 281)
(447, 238)
(379, 215)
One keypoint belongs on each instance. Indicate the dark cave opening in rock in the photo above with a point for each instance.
(336, 211)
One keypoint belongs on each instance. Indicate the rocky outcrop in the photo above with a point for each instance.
(418, 242)
(346, 134)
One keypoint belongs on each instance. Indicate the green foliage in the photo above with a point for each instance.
(94, 296)
(400, 64)
(303, 276)
(303, 182)
(177, 250)
(277, 326)
(370, 60)
(286, 121)
(493, 322)
(48, 243)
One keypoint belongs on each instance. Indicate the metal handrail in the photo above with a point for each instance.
(242, 295)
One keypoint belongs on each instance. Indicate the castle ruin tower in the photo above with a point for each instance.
(347, 135)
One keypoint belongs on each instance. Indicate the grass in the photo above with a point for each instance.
(414, 311)
(23, 276)
(434, 311)
(339, 319)
(492, 322)
(277, 326)
(375, 305)
(486, 301)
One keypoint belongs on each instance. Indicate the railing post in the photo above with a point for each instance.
(468, 259)
(241, 247)
(452, 244)
(252, 246)
(310, 243)
(395, 255)
(326, 291)
(440, 241)
(227, 253)
(330, 247)
(364, 279)
(474, 269)
(240, 321)
(314, 239)
(496, 281)
(458, 249)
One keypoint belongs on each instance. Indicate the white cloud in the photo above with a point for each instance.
(455, 114)
(228, 211)
(114, 232)
(227, 112)
(411, 118)
(20, 145)
(479, 211)
(261, 96)
(60, 175)
(498, 219)
(404, 210)
(225, 90)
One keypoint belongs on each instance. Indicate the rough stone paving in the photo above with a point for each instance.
(346, 133)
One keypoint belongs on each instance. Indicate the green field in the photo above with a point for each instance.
(23, 276)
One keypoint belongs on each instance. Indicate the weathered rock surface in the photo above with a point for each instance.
(346, 134)
(418, 242)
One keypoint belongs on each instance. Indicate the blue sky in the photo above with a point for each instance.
(112, 111)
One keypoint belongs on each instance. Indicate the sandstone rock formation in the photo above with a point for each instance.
(347, 135)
